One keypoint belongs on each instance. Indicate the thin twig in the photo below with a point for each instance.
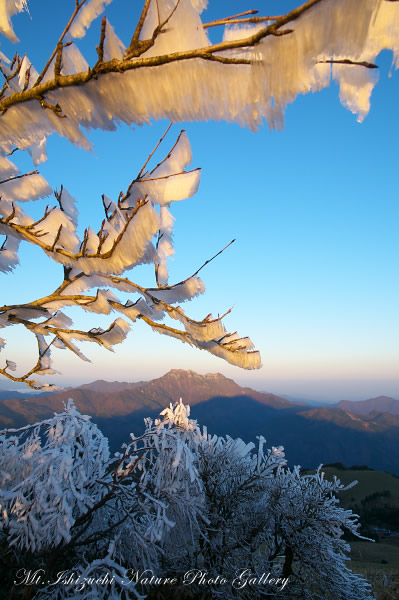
(171, 175)
(140, 24)
(27, 76)
(236, 16)
(19, 177)
(205, 263)
(67, 27)
(12, 151)
(232, 20)
(151, 155)
(166, 21)
(347, 61)
(57, 237)
(100, 47)
(56, 108)
(157, 264)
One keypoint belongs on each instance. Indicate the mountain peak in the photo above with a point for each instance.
(188, 377)
(194, 375)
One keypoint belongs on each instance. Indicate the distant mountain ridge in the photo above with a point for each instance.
(111, 399)
(365, 407)
(311, 435)
(103, 387)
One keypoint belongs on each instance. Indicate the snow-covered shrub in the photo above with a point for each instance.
(50, 475)
(177, 510)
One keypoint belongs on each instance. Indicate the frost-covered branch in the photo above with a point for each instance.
(298, 46)
(125, 240)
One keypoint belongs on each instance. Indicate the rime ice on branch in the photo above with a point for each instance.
(261, 64)
(252, 74)
(137, 229)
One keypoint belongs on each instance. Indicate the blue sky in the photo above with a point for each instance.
(313, 274)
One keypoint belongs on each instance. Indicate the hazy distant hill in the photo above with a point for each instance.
(365, 407)
(374, 421)
(7, 394)
(310, 435)
(105, 387)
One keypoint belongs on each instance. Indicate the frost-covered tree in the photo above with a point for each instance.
(261, 64)
(178, 513)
